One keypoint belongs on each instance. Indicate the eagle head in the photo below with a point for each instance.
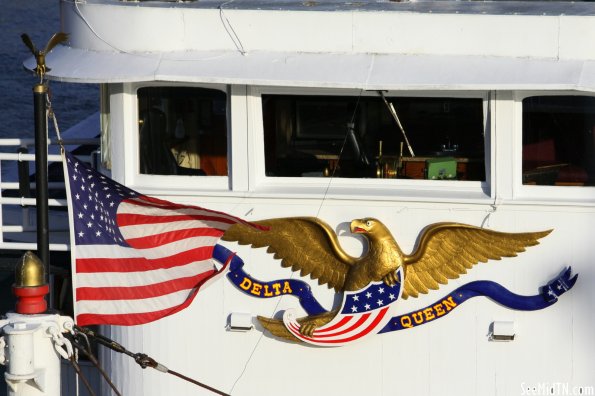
(370, 227)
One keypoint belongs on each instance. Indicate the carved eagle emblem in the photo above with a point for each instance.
(309, 245)
(40, 54)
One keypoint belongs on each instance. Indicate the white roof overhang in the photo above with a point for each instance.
(329, 70)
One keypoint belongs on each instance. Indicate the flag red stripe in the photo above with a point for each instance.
(340, 323)
(354, 326)
(132, 319)
(162, 204)
(358, 335)
(140, 292)
(164, 238)
(136, 264)
(126, 219)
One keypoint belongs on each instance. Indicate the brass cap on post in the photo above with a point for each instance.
(40, 88)
(29, 271)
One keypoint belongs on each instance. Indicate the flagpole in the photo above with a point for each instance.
(41, 173)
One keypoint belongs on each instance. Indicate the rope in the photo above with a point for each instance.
(51, 114)
(141, 359)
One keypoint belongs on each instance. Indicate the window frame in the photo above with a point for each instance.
(372, 188)
(539, 193)
(177, 184)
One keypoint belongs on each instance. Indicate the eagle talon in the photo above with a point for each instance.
(391, 278)
(308, 329)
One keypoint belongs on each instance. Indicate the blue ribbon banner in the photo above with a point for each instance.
(548, 295)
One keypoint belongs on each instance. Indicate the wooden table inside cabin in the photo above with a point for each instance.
(467, 168)
(415, 167)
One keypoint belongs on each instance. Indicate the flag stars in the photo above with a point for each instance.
(89, 225)
(355, 297)
(380, 290)
(380, 302)
(78, 197)
(81, 234)
(80, 215)
(98, 233)
(367, 306)
(391, 296)
(368, 295)
(353, 308)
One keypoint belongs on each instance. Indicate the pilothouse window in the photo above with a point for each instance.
(351, 137)
(559, 140)
(182, 131)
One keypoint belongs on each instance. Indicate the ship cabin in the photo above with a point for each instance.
(410, 112)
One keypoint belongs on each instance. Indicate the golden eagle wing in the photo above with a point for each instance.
(56, 39)
(447, 250)
(304, 244)
(27, 40)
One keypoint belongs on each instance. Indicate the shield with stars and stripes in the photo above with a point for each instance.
(363, 312)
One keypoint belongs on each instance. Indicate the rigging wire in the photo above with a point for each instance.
(230, 30)
(328, 186)
(494, 182)
(79, 373)
(86, 350)
(80, 14)
(141, 359)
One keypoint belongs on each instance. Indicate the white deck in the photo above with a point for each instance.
(426, 45)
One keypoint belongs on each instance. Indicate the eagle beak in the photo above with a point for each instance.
(355, 229)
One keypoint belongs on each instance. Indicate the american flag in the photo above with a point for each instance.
(135, 258)
(363, 312)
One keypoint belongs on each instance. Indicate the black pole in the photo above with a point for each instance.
(41, 174)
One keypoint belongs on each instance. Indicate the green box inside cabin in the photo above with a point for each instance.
(443, 168)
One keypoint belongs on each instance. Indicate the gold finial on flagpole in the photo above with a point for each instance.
(41, 69)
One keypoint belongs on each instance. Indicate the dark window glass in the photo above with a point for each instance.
(182, 131)
(355, 137)
(559, 140)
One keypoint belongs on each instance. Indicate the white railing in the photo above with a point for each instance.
(17, 212)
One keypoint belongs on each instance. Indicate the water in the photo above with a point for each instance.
(72, 102)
